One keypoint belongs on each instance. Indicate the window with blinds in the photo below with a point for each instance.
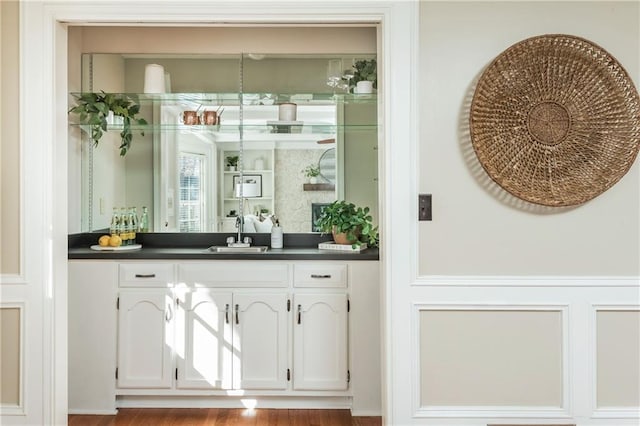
(191, 208)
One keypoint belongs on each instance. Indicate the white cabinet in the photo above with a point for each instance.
(145, 338)
(320, 342)
(320, 275)
(260, 340)
(320, 332)
(92, 322)
(211, 329)
(240, 327)
(231, 341)
(221, 338)
(204, 337)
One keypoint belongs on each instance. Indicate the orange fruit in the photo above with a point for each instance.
(104, 240)
(115, 241)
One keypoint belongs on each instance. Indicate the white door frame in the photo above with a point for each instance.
(44, 135)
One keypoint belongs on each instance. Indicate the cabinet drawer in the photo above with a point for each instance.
(234, 274)
(146, 274)
(320, 275)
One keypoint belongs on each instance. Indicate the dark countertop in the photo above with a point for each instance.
(194, 246)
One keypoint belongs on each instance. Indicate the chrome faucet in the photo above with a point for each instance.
(239, 242)
(240, 226)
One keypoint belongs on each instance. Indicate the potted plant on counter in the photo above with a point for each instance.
(348, 223)
(94, 109)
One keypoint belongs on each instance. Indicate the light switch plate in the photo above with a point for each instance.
(424, 207)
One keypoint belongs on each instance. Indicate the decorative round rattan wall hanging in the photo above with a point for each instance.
(555, 120)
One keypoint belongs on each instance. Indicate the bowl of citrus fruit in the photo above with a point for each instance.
(113, 242)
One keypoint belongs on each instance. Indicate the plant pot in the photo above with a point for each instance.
(341, 238)
(232, 168)
(364, 87)
(313, 180)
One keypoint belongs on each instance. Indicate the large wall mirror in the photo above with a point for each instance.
(182, 170)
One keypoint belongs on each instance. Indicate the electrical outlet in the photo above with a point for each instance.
(424, 207)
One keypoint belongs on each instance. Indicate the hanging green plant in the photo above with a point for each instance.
(93, 109)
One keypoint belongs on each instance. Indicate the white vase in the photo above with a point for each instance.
(154, 79)
(364, 87)
(313, 180)
(287, 111)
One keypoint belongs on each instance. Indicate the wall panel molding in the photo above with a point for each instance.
(19, 408)
(580, 301)
(484, 411)
(606, 412)
(526, 281)
(12, 279)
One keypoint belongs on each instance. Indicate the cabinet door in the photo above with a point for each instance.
(320, 342)
(93, 331)
(260, 341)
(204, 337)
(145, 325)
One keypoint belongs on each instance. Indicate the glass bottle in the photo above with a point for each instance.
(144, 220)
(277, 236)
(124, 226)
(115, 222)
(133, 225)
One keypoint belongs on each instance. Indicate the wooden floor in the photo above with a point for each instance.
(224, 417)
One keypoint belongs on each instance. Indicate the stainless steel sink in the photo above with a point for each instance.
(227, 249)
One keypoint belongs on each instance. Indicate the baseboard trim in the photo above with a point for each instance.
(459, 412)
(85, 412)
(246, 402)
(616, 413)
(366, 413)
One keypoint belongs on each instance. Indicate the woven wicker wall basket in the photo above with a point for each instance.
(555, 120)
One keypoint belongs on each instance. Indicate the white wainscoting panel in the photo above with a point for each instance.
(616, 361)
(504, 359)
(588, 324)
(13, 358)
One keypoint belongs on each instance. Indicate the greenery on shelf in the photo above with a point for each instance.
(232, 160)
(364, 70)
(312, 170)
(344, 217)
(93, 110)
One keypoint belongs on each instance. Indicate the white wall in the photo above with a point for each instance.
(9, 137)
(11, 328)
(530, 312)
(478, 228)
